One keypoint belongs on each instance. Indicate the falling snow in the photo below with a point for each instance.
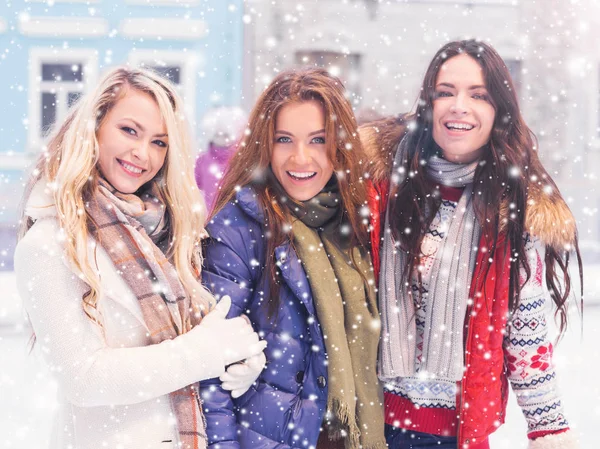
(224, 52)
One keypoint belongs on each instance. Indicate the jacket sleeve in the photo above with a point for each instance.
(230, 268)
(528, 355)
(89, 372)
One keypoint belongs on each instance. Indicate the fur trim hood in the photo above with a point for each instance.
(548, 216)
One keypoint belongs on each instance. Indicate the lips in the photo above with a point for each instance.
(459, 126)
(301, 175)
(130, 168)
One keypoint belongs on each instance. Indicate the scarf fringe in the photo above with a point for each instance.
(341, 412)
(346, 360)
(377, 445)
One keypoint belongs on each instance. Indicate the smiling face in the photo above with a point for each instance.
(132, 142)
(299, 159)
(463, 115)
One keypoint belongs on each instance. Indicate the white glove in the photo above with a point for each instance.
(564, 440)
(234, 336)
(240, 376)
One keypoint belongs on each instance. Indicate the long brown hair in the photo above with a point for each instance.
(250, 163)
(413, 203)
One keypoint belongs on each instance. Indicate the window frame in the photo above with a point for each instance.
(153, 3)
(468, 2)
(354, 87)
(188, 64)
(38, 56)
(517, 77)
(66, 1)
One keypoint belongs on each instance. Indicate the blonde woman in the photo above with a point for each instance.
(108, 267)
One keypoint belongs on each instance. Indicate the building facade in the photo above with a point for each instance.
(381, 50)
(54, 50)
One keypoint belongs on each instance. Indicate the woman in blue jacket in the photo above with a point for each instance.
(289, 244)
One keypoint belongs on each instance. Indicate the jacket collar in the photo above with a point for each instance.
(248, 201)
(286, 258)
(41, 202)
(293, 274)
(547, 216)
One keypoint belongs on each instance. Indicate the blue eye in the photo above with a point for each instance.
(283, 139)
(443, 93)
(319, 140)
(480, 96)
(128, 130)
(160, 143)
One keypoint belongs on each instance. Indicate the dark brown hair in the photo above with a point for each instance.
(414, 201)
(250, 163)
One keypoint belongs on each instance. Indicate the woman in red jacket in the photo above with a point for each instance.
(475, 239)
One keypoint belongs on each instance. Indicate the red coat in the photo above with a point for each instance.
(483, 392)
(484, 388)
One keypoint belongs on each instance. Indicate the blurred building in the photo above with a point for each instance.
(381, 48)
(223, 52)
(51, 51)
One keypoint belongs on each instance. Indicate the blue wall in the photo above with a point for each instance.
(220, 51)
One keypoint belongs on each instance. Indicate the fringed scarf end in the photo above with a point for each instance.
(341, 426)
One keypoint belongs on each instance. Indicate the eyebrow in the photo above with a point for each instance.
(476, 86)
(287, 133)
(136, 123)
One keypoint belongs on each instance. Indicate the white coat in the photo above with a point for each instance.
(113, 383)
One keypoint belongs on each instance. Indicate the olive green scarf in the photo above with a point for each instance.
(347, 312)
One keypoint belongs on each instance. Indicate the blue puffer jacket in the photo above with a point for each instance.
(286, 405)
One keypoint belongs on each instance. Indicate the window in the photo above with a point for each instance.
(514, 67)
(598, 105)
(179, 67)
(154, 3)
(66, 1)
(56, 83)
(345, 66)
(60, 87)
(172, 73)
(466, 2)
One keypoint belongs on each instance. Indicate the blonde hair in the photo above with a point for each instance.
(70, 165)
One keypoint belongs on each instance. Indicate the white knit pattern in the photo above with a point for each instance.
(527, 346)
(565, 440)
(528, 350)
(439, 392)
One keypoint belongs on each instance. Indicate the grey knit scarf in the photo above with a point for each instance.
(443, 353)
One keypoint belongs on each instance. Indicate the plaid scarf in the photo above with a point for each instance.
(347, 312)
(129, 227)
(451, 273)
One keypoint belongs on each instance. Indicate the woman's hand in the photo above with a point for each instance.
(234, 336)
(239, 377)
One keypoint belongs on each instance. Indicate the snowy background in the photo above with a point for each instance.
(27, 392)
(223, 53)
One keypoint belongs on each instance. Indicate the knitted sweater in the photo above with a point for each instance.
(429, 405)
